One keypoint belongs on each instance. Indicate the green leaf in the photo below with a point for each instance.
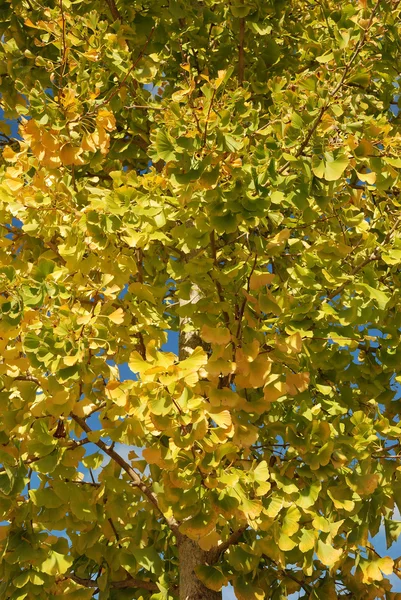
(246, 589)
(164, 147)
(211, 577)
(334, 166)
(149, 559)
(56, 564)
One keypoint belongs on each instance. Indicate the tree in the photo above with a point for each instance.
(229, 171)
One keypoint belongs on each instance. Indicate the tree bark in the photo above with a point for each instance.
(190, 555)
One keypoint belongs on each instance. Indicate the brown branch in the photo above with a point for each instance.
(30, 461)
(242, 309)
(288, 573)
(217, 551)
(337, 88)
(28, 377)
(134, 477)
(219, 287)
(64, 45)
(207, 117)
(241, 52)
(124, 79)
(374, 256)
(115, 13)
(128, 583)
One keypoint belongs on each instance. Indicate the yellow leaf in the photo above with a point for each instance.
(84, 319)
(153, 456)
(194, 362)
(199, 526)
(307, 541)
(117, 316)
(295, 342)
(224, 397)
(14, 184)
(285, 543)
(88, 143)
(297, 383)
(222, 419)
(259, 279)
(386, 564)
(71, 360)
(291, 520)
(327, 554)
(372, 570)
(215, 335)
(106, 120)
(137, 364)
(70, 155)
(209, 541)
(368, 177)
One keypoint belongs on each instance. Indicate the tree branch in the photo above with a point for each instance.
(374, 256)
(241, 52)
(219, 287)
(128, 583)
(135, 479)
(30, 461)
(336, 89)
(133, 66)
(114, 10)
(217, 551)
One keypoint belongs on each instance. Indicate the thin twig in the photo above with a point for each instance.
(135, 479)
(145, 107)
(133, 66)
(374, 256)
(334, 92)
(64, 44)
(242, 309)
(207, 117)
(241, 52)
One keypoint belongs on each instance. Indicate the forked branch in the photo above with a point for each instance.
(134, 477)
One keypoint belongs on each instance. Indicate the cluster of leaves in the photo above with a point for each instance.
(230, 170)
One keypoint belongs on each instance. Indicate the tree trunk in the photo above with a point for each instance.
(191, 556)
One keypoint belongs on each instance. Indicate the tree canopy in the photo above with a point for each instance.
(227, 170)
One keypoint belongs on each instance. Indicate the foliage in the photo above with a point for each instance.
(230, 170)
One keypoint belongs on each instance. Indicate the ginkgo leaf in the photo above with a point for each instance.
(221, 418)
(327, 554)
(335, 166)
(194, 362)
(246, 589)
(211, 577)
(216, 335)
(56, 563)
(164, 146)
(71, 155)
(297, 382)
(117, 316)
(285, 543)
(260, 279)
(106, 119)
(307, 541)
